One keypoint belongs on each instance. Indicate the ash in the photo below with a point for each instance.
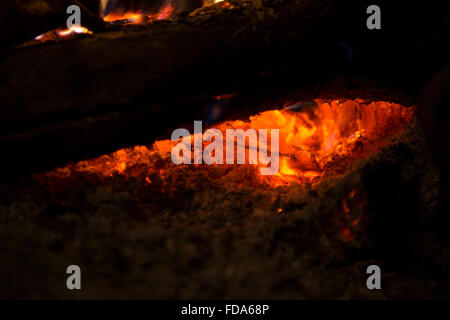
(208, 233)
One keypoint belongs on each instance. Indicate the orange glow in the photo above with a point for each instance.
(224, 96)
(347, 234)
(132, 17)
(62, 33)
(72, 30)
(355, 222)
(137, 17)
(165, 13)
(320, 140)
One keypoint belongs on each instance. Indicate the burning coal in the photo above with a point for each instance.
(135, 12)
(316, 140)
(62, 33)
(131, 13)
(213, 153)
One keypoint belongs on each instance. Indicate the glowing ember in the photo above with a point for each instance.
(130, 17)
(113, 12)
(73, 30)
(165, 13)
(62, 33)
(318, 140)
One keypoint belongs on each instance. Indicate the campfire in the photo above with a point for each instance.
(317, 140)
(87, 116)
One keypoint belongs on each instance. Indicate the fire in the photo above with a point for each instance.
(131, 17)
(138, 17)
(112, 13)
(318, 139)
(75, 29)
(62, 33)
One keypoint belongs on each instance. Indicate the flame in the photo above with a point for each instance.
(319, 140)
(54, 35)
(134, 16)
(75, 29)
(138, 17)
(130, 17)
(166, 12)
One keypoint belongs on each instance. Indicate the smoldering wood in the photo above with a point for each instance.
(70, 100)
(116, 225)
(150, 6)
(26, 19)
